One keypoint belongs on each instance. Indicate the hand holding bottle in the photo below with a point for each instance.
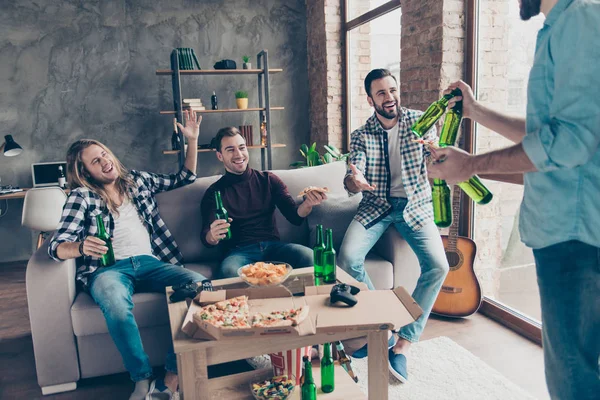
(467, 98)
(359, 180)
(94, 247)
(218, 230)
(450, 164)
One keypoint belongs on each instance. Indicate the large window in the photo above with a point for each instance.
(505, 50)
(372, 41)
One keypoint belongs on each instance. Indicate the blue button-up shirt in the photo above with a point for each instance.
(562, 199)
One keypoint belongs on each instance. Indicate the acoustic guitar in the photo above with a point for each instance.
(460, 295)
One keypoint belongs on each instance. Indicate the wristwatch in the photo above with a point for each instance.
(81, 248)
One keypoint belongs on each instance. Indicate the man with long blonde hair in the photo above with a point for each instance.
(145, 252)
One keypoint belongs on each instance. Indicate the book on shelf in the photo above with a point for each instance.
(194, 108)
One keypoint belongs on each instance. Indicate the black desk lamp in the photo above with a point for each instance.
(10, 147)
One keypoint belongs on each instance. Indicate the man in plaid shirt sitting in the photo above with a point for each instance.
(144, 249)
(390, 171)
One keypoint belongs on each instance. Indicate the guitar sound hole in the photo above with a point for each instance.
(454, 259)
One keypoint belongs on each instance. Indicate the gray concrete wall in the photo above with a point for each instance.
(71, 69)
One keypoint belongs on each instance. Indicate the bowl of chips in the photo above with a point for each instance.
(276, 388)
(261, 274)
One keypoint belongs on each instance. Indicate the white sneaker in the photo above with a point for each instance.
(155, 394)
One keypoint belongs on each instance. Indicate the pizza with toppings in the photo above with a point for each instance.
(291, 317)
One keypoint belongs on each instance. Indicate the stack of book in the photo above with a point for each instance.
(187, 58)
(192, 104)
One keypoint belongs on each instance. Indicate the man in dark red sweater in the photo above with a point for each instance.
(250, 197)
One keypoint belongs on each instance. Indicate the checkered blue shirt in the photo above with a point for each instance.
(369, 152)
(79, 218)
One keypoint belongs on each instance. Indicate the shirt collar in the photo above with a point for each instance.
(376, 125)
(556, 11)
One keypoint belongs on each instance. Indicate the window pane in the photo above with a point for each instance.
(356, 8)
(506, 46)
(372, 45)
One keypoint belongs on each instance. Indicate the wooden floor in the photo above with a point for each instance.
(513, 356)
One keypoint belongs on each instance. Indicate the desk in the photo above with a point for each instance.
(20, 195)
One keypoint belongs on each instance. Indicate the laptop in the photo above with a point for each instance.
(46, 174)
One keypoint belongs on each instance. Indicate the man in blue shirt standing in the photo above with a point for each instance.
(557, 150)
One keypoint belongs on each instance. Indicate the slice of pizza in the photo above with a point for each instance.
(292, 317)
(236, 304)
(313, 188)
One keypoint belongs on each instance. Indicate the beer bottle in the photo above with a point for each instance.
(345, 361)
(474, 188)
(327, 370)
(433, 114)
(175, 139)
(62, 180)
(107, 259)
(308, 388)
(318, 253)
(329, 265)
(221, 213)
(442, 207)
(214, 101)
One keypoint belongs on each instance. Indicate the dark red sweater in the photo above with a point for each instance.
(250, 199)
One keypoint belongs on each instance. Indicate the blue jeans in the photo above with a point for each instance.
(112, 288)
(568, 275)
(427, 245)
(296, 255)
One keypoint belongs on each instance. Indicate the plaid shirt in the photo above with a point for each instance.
(79, 218)
(369, 152)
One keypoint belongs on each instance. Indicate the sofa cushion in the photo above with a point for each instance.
(180, 209)
(150, 309)
(335, 213)
(208, 269)
(329, 175)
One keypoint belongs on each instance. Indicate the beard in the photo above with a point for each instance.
(529, 9)
(386, 114)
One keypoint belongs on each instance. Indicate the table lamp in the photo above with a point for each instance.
(10, 147)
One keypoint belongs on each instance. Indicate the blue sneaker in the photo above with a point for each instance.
(397, 366)
(363, 351)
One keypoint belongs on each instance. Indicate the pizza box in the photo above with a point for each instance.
(259, 300)
(375, 310)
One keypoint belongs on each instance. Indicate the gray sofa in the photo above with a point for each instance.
(70, 336)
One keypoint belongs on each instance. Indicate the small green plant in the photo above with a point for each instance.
(312, 157)
(245, 59)
(241, 95)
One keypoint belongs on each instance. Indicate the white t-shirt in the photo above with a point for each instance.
(395, 157)
(130, 236)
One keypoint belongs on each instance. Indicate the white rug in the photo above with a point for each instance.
(441, 369)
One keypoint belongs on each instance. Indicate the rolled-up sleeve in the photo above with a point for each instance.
(164, 182)
(572, 135)
(71, 225)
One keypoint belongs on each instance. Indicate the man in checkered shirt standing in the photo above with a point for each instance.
(144, 249)
(390, 171)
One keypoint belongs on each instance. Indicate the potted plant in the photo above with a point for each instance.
(241, 99)
(246, 64)
(312, 157)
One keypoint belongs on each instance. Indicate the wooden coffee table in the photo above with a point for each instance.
(194, 356)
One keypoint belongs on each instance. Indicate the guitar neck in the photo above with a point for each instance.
(453, 230)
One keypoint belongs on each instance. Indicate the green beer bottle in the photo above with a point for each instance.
(327, 370)
(318, 253)
(308, 388)
(107, 259)
(474, 188)
(329, 265)
(222, 213)
(442, 207)
(433, 114)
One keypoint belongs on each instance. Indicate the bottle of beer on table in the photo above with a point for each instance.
(327, 370)
(442, 204)
(308, 388)
(433, 114)
(107, 259)
(329, 264)
(221, 213)
(318, 253)
(474, 188)
(62, 180)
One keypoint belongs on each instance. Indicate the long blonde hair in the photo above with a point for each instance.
(78, 176)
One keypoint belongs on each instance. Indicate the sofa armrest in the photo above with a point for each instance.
(396, 250)
(50, 294)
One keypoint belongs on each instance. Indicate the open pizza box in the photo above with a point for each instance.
(375, 310)
(260, 300)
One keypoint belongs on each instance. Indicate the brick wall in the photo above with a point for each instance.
(324, 38)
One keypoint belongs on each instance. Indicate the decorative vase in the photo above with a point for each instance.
(242, 104)
(247, 66)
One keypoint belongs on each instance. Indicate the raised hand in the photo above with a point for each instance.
(359, 180)
(468, 99)
(191, 130)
